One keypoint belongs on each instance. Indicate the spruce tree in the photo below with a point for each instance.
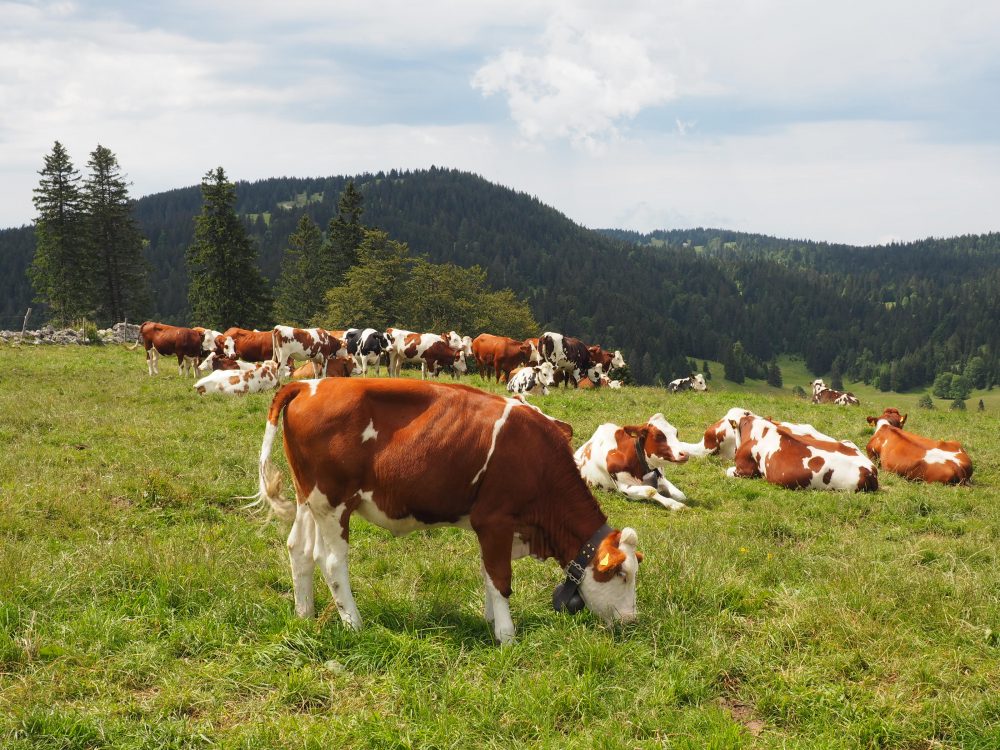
(227, 287)
(345, 233)
(300, 288)
(61, 267)
(120, 284)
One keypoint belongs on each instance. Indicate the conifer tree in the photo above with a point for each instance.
(119, 285)
(227, 287)
(61, 268)
(300, 289)
(345, 234)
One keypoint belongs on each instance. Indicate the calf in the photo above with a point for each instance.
(693, 382)
(630, 458)
(804, 459)
(916, 457)
(532, 380)
(261, 376)
(335, 368)
(160, 338)
(499, 355)
(348, 453)
(824, 395)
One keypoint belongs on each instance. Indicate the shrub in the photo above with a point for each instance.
(958, 405)
(799, 392)
(925, 402)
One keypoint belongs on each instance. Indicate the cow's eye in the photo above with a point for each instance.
(623, 575)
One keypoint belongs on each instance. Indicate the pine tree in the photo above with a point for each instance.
(774, 375)
(61, 267)
(120, 283)
(345, 234)
(227, 287)
(300, 289)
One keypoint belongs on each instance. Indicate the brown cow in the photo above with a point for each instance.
(251, 346)
(499, 354)
(378, 447)
(160, 338)
(916, 457)
(335, 368)
(439, 356)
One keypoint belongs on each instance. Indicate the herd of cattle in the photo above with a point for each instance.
(376, 447)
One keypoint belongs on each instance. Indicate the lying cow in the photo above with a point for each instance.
(824, 395)
(630, 459)
(916, 457)
(335, 368)
(163, 339)
(343, 441)
(693, 382)
(532, 380)
(803, 459)
(719, 438)
(214, 362)
(261, 376)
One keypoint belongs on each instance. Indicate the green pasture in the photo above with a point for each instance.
(140, 607)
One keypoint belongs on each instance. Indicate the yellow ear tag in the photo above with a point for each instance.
(604, 560)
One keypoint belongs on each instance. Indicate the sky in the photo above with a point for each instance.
(860, 122)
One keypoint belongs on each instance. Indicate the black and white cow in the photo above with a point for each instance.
(569, 355)
(532, 380)
(366, 346)
(691, 383)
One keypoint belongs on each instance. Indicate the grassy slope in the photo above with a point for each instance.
(139, 607)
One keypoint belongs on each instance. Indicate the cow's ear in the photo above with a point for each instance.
(734, 424)
(903, 420)
(638, 557)
(609, 556)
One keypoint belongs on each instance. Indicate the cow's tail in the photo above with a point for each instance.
(269, 478)
(138, 339)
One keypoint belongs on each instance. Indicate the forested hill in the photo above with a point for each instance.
(925, 307)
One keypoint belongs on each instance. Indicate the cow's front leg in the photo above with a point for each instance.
(496, 551)
(638, 491)
(301, 545)
(666, 487)
(330, 552)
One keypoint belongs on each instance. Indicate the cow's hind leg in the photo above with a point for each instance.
(301, 543)
(330, 552)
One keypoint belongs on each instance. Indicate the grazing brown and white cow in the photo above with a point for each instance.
(314, 344)
(630, 459)
(532, 380)
(824, 395)
(693, 382)
(260, 376)
(806, 459)
(499, 355)
(335, 368)
(251, 346)
(377, 447)
(407, 347)
(162, 339)
(916, 457)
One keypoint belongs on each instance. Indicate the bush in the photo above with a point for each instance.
(958, 405)
(925, 402)
(799, 392)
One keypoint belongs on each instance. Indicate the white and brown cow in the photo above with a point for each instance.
(260, 376)
(313, 344)
(569, 355)
(916, 457)
(693, 382)
(163, 339)
(824, 395)
(532, 380)
(214, 362)
(630, 459)
(407, 347)
(251, 346)
(377, 447)
(719, 438)
(805, 459)
(335, 368)
(440, 356)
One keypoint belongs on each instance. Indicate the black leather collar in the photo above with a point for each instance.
(566, 596)
(650, 477)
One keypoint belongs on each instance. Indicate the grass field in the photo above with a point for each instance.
(141, 608)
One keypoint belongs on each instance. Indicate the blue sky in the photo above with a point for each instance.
(852, 121)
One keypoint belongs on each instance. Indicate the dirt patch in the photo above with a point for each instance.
(742, 713)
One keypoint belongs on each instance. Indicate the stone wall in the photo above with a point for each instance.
(119, 333)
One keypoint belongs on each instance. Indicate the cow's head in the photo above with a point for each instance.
(225, 346)
(545, 374)
(698, 382)
(461, 366)
(206, 364)
(659, 439)
(890, 415)
(534, 356)
(818, 385)
(617, 361)
(608, 585)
